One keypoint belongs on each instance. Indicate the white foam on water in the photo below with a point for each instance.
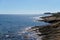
(27, 33)
(35, 17)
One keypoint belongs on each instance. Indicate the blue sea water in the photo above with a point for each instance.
(13, 23)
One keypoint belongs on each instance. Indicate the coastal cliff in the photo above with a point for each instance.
(49, 32)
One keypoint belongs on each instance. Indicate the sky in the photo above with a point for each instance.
(29, 6)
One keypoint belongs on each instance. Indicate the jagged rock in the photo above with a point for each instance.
(49, 32)
(55, 17)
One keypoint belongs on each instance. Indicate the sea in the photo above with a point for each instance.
(12, 26)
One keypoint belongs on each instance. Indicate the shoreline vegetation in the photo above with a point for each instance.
(49, 32)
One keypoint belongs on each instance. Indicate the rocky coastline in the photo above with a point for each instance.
(49, 32)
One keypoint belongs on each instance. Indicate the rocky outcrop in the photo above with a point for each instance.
(49, 32)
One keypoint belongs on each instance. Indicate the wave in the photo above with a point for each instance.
(29, 34)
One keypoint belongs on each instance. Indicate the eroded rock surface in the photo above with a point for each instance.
(49, 32)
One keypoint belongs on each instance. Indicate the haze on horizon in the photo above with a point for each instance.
(29, 6)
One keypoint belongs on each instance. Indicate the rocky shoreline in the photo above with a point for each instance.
(49, 32)
(45, 32)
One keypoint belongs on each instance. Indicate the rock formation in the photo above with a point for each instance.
(49, 32)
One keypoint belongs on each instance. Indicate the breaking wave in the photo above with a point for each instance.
(28, 34)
